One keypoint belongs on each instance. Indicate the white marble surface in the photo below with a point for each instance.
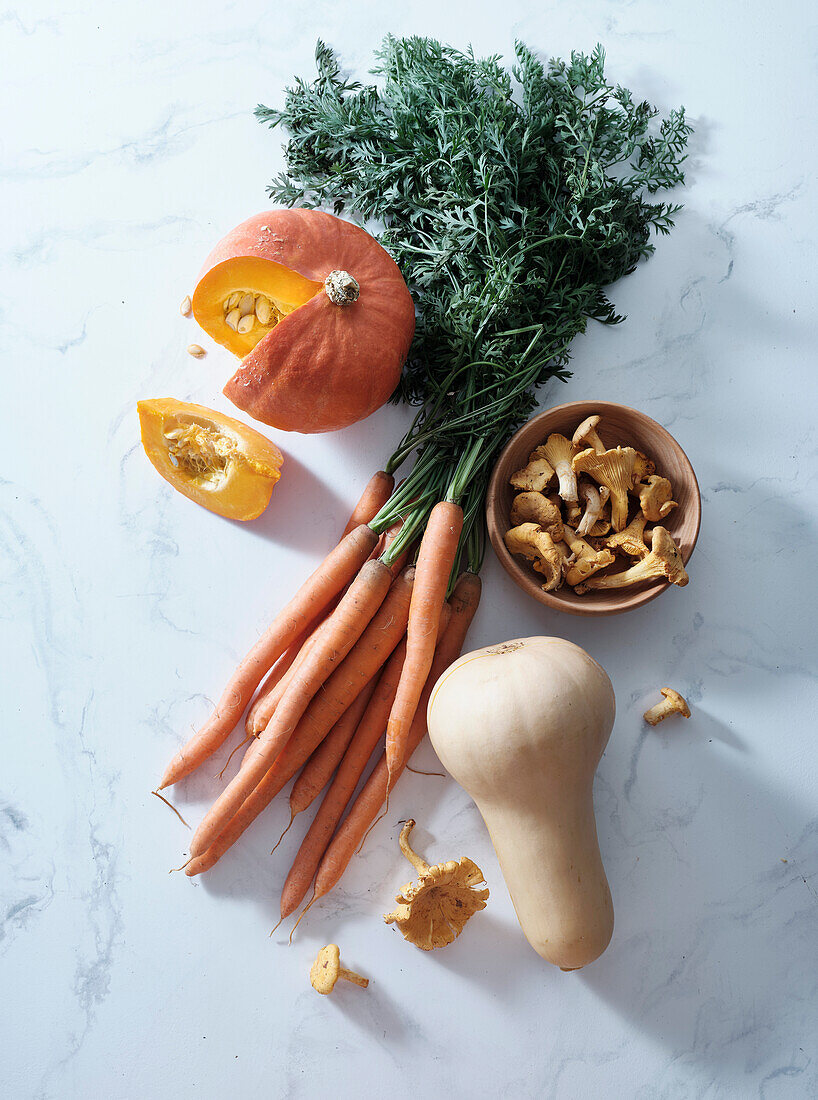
(127, 146)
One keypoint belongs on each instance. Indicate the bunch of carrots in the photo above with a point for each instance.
(354, 655)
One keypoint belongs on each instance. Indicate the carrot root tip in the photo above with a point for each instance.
(249, 737)
(372, 826)
(303, 913)
(162, 798)
(289, 823)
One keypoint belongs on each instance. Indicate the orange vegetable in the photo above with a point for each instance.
(211, 458)
(352, 766)
(376, 493)
(275, 681)
(352, 831)
(330, 578)
(373, 649)
(436, 558)
(357, 616)
(317, 310)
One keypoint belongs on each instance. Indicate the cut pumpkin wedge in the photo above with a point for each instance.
(211, 458)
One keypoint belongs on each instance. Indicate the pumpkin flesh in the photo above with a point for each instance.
(210, 458)
(284, 289)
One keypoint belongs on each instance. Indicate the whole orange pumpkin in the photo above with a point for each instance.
(317, 310)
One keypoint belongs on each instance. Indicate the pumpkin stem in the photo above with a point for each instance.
(341, 288)
(418, 862)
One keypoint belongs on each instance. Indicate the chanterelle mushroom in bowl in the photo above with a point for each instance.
(651, 459)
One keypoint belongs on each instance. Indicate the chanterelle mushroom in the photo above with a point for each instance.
(643, 467)
(433, 911)
(631, 540)
(587, 560)
(585, 435)
(536, 508)
(327, 969)
(594, 498)
(559, 451)
(615, 470)
(673, 703)
(533, 543)
(536, 475)
(664, 561)
(654, 498)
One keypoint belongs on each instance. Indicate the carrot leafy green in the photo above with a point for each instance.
(511, 200)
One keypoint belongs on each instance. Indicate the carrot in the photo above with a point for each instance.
(436, 558)
(258, 717)
(319, 768)
(376, 493)
(344, 783)
(362, 614)
(463, 601)
(387, 630)
(275, 676)
(387, 538)
(332, 575)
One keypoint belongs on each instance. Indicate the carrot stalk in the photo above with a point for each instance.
(305, 715)
(337, 569)
(436, 558)
(463, 601)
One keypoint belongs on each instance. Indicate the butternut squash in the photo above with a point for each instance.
(522, 726)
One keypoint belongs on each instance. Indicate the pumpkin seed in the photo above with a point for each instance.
(196, 350)
(246, 323)
(185, 307)
(247, 304)
(232, 301)
(233, 318)
(263, 310)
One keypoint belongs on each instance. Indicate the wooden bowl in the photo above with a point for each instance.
(619, 425)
